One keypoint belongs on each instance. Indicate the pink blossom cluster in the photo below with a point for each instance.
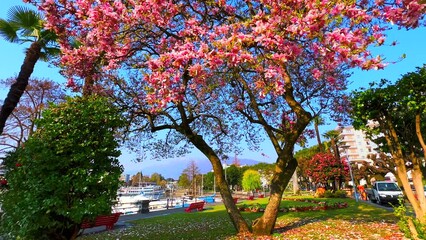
(181, 45)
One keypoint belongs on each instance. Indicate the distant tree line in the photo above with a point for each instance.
(193, 180)
(156, 178)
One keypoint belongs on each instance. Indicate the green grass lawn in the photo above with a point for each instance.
(357, 221)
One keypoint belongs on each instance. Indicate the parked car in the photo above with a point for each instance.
(384, 192)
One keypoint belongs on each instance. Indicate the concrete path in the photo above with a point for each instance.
(124, 219)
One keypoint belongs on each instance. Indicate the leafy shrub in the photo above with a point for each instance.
(332, 194)
(328, 194)
(405, 221)
(340, 194)
(66, 172)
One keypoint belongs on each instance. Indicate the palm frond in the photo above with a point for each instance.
(8, 31)
(26, 25)
(49, 52)
(44, 57)
(47, 36)
(28, 20)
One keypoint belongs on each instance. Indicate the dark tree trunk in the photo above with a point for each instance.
(237, 219)
(335, 148)
(18, 87)
(265, 224)
(286, 163)
(88, 86)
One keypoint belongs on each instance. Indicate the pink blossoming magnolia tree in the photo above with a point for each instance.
(198, 120)
(269, 64)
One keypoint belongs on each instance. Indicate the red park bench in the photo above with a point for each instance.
(195, 205)
(103, 220)
(235, 200)
(250, 198)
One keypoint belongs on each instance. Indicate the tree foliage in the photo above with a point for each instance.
(37, 96)
(394, 116)
(192, 171)
(303, 157)
(335, 142)
(251, 180)
(209, 72)
(184, 181)
(380, 166)
(325, 167)
(138, 178)
(66, 172)
(209, 181)
(233, 175)
(157, 178)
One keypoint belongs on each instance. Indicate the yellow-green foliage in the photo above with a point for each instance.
(251, 180)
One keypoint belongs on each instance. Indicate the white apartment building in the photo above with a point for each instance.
(356, 146)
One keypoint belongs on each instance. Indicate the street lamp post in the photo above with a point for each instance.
(350, 171)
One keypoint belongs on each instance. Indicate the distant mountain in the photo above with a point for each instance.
(173, 168)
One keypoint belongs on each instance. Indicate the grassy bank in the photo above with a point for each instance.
(356, 221)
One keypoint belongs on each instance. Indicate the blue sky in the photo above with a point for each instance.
(411, 43)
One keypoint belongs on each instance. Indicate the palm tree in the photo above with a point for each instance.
(25, 25)
(334, 137)
(318, 121)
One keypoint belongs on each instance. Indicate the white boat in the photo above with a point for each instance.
(130, 199)
(152, 192)
(130, 204)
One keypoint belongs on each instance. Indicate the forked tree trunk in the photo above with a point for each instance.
(266, 223)
(18, 87)
(237, 219)
(286, 163)
(419, 204)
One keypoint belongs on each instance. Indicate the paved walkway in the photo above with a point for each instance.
(124, 219)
